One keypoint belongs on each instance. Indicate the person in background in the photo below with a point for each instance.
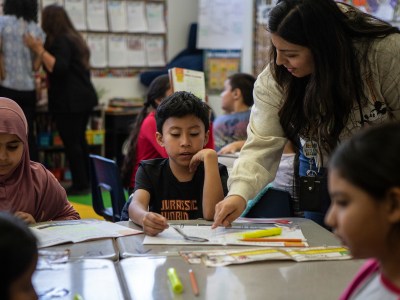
(65, 57)
(237, 99)
(364, 184)
(28, 189)
(142, 142)
(18, 62)
(19, 255)
(332, 70)
(188, 183)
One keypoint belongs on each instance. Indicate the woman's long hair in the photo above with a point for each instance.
(157, 91)
(319, 105)
(55, 23)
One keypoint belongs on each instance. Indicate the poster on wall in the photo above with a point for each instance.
(221, 24)
(220, 64)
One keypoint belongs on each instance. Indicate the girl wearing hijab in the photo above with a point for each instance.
(27, 188)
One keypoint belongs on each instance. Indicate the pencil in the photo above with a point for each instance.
(193, 281)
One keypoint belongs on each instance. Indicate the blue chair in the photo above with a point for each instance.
(105, 175)
(273, 203)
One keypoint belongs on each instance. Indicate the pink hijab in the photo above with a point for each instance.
(30, 188)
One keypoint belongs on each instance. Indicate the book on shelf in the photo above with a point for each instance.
(189, 81)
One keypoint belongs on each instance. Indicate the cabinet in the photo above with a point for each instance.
(50, 146)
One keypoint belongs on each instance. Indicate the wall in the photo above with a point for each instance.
(179, 15)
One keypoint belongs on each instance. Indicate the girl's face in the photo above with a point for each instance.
(298, 60)
(357, 219)
(227, 97)
(11, 149)
(22, 288)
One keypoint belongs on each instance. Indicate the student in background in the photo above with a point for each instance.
(65, 57)
(364, 184)
(28, 189)
(237, 99)
(142, 142)
(18, 62)
(189, 183)
(18, 259)
(332, 69)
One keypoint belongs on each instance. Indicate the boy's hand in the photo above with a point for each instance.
(202, 156)
(27, 218)
(154, 223)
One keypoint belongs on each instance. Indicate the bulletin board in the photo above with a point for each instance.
(124, 36)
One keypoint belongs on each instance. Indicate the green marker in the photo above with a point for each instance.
(176, 283)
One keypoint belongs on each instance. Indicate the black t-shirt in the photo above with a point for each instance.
(173, 199)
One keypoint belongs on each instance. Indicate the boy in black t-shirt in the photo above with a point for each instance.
(190, 182)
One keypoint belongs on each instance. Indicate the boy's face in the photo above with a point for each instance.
(228, 97)
(182, 138)
(11, 149)
(357, 219)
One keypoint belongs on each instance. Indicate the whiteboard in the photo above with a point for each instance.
(220, 24)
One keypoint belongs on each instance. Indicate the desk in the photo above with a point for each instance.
(104, 248)
(133, 245)
(227, 160)
(95, 279)
(261, 280)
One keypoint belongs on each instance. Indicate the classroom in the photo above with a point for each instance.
(199, 149)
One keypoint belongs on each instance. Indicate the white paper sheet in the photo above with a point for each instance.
(136, 11)
(77, 13)
(60, 232)
(117, 51)
(218, 236)
(136, 51)
(155, 17)
(96, 15)
(117, 16)
(98, 50)
(155, 51)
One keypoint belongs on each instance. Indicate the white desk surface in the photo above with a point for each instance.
(147, 279)
(261, 280)
(95, 279)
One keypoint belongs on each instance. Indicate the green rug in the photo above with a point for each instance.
(87, 199)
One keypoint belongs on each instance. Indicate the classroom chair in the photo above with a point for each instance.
(274, 203)
(105, 175)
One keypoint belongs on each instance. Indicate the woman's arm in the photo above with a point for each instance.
(41, 55)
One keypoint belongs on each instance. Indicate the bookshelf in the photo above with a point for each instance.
(50, 146)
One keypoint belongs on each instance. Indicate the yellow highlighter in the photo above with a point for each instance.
(262, 233)
(176, 283)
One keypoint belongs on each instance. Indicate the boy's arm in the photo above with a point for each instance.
(152, 223)
(212, 188)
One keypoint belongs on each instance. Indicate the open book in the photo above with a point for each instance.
(189, 81)
(74, 231)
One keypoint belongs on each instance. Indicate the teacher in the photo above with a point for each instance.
(333, 69)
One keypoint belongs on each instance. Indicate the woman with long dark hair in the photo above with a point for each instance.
(65, 57)
(332, 70)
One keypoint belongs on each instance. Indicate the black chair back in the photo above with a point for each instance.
(105, 176)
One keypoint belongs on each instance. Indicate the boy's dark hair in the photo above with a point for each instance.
(365, 162)
(181, 104)
(245, 83)
(18, 248)
(25, 9)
